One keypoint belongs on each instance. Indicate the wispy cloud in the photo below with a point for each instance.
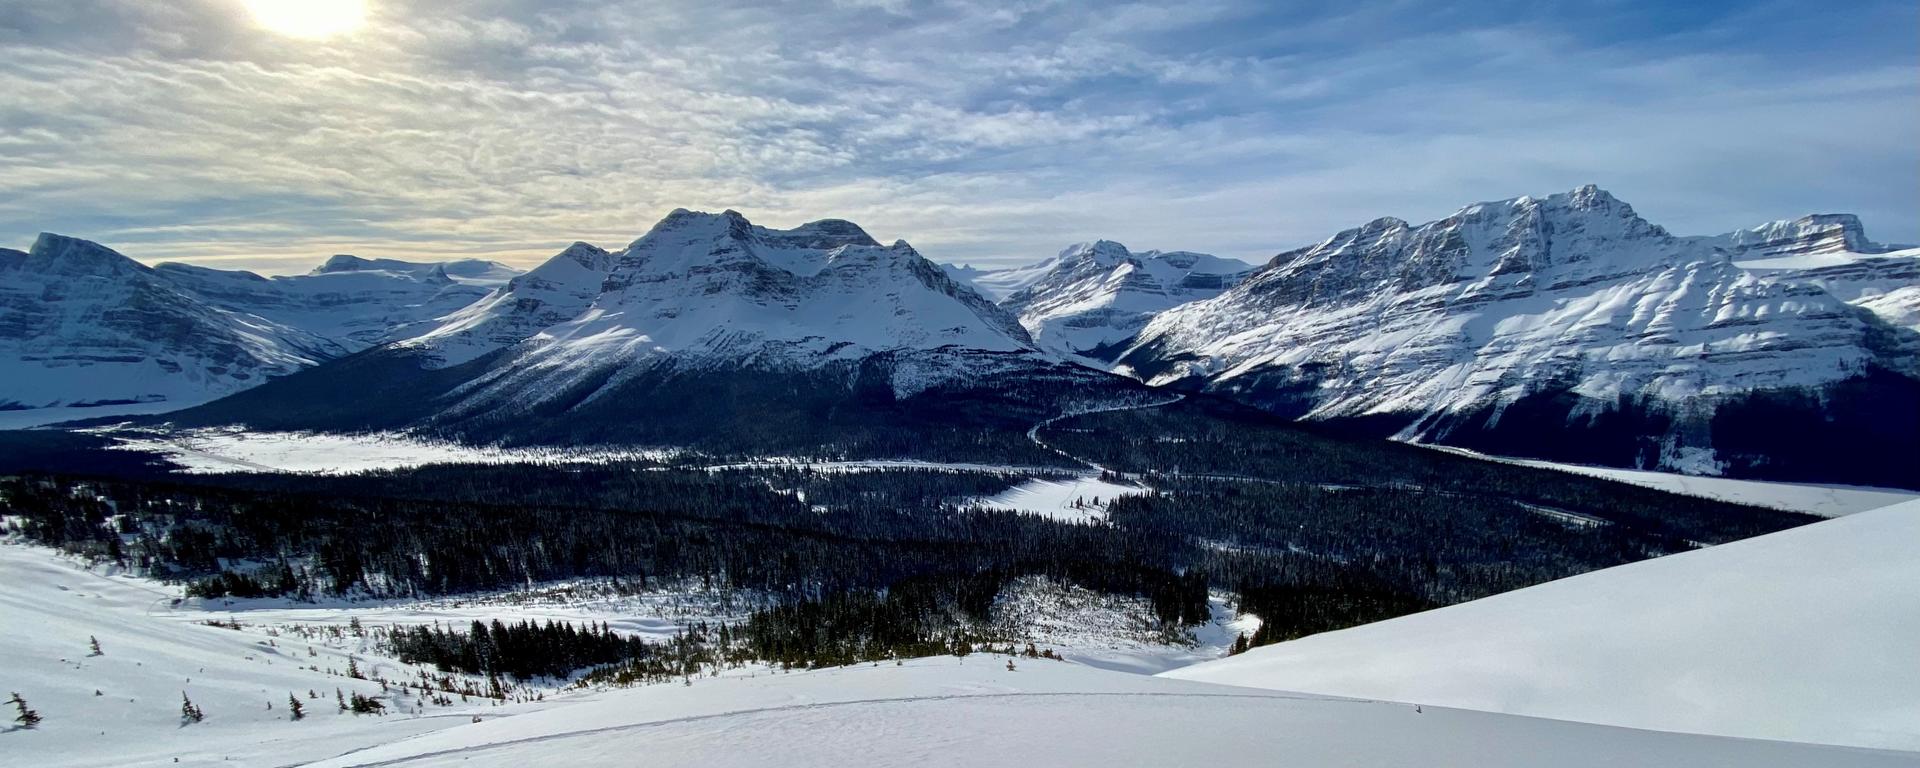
(985, 132)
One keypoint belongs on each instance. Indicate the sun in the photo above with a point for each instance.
(314, 19)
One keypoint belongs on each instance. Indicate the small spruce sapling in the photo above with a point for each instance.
(28, 719)
(94, 644)
(189, 712)
(299, 710)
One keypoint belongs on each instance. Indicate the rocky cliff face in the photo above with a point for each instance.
(1565, 326)
(1832, 251)
(1820, 233)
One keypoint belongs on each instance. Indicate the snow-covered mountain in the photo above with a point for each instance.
(89, 332)
(707, 290)
(86, 330)
(707, 316)
(554, 292)
(1093, 296)
(355, 302)
(998, 284)
(1809, 237)
(1833, 252)
(1564, 327)
(1796, 636)
(480, 272)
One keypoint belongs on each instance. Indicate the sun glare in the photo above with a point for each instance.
(312, 19)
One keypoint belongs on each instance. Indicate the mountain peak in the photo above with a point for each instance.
(583, 253)
(1819, 233)
(1591, 194)
(1103, 252)
(822, 235)
(62, 255)
(342, 262)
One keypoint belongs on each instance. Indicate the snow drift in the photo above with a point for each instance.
(1803, 635)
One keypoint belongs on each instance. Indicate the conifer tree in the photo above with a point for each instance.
(94, 643)
(189, 713)
(28, 719)
(293, 703)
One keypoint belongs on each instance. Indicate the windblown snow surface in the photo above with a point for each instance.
(974, 712)
(1820, 499)
(1806, 635)
(939, 711)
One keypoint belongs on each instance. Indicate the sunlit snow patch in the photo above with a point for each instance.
(214, 451)
(1812, 498)
(1079, 500)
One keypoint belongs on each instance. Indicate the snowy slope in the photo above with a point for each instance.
(704, 291)
(554, 292)
(51, 608)
(1811, 498)
(707, 331)
(1572, 306)
(1803, 635)
(354, 302)
(940, 711)
(82, 325)
(998, 284)
(86, 332)
(1799, 242)
(1832, 251)
(1093, 296)
(974, 712)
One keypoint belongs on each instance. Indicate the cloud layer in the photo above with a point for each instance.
(985, 132)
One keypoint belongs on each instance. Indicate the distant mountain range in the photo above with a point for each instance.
(1093, 297)
(85, 330)
(1565, 327)
(1569, 328)
(715, 332)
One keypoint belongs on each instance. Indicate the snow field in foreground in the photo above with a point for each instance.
(974, 712)
(155, 649)
(1803, 635)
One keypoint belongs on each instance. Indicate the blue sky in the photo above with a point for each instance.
(984, 132)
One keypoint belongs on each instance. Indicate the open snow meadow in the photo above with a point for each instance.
(240, 664)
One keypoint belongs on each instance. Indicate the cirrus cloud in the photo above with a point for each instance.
(983, 132)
